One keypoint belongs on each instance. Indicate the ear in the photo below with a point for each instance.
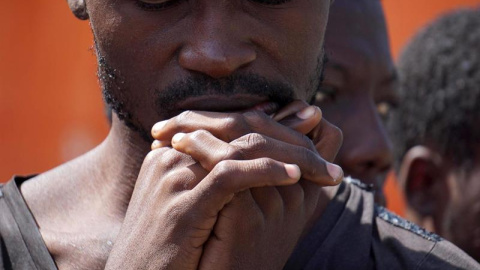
(424, 185)
(79, 8)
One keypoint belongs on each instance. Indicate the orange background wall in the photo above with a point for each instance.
(50, 105)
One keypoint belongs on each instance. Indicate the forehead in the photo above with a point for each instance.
(357, 30)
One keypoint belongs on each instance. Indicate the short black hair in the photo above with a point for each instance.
(439, 88)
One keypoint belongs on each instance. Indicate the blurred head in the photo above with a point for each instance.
(160, 57)
(358, 88)
(437, 129)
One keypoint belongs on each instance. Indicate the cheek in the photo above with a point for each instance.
(134, 41)
(463, 213)
(293, 39)
(306, 45)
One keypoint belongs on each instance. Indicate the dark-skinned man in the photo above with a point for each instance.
(436, 133)
(238, 175)
(359, 89)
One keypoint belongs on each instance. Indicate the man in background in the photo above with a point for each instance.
(359, 89)
(437, 131)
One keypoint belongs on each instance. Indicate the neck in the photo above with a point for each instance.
(120, 158)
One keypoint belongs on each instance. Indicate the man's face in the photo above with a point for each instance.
(359, 83)
(158, 58)
(461, 219)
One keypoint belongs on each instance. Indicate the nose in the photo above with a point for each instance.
(217, 47)
(367, 150)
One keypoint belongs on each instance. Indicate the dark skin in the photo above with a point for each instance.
(359, 88)
(182, 205)
(443, 196)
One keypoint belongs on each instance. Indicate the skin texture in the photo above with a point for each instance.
(443, 197)
(359, 80)
(176, 206)
(436, 131)
(216, 41)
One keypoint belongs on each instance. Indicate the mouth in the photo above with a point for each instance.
(231, 103)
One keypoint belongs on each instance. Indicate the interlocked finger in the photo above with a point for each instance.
(210, 151)
(230, 126)
(233, 176)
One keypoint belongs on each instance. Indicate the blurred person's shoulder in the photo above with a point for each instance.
(21, 244)
(403, 244)
(354, 233)
(400, 244)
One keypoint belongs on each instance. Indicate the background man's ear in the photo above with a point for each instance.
(424, 186)
(79, 8)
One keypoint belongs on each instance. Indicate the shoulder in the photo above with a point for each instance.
(396, 222)
(446, 255)
(21, 245)
(13, 250)
(401, 244)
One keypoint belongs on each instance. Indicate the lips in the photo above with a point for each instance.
(231, 103)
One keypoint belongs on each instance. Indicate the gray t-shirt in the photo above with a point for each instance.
(352, 233)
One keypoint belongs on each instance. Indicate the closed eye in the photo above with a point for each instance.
(157, 5)
(271, 2)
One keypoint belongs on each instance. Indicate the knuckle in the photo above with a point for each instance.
(154, 156)
(199, 135)
(221, 171)
(171, 182)
(252, 142)
(177, 210)
(183, 118)
(233, 121)
(233, 153)
(170, 159)
(255, 139)
(265, 164)
(255, 119)
(235, 126)
(223, 168)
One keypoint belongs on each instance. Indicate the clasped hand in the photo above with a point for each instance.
(227, 190)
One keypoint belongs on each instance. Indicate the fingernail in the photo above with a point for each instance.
(157, 127)
(293, 171)
(155, 144)
(178, 137)
(306, 113)
(335, 171)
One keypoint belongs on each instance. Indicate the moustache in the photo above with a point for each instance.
(239, 84)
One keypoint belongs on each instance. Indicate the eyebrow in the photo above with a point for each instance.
(336, 66)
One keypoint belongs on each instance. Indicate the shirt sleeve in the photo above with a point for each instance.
(445, 255)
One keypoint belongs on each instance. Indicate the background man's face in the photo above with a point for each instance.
(460, 221)
(230, 55)
(359, 78)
